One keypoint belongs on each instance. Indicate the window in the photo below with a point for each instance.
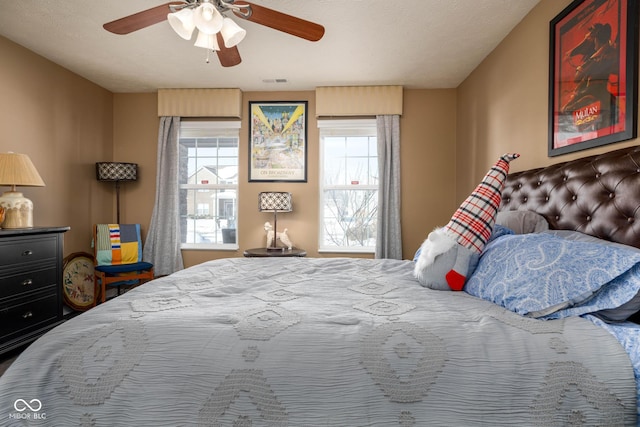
(209, 184)
(349, 185)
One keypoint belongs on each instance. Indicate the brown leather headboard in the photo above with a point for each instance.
(597, 195)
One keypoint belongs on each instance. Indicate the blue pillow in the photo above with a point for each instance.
(619, 293)
(541, 275)
(499, 231)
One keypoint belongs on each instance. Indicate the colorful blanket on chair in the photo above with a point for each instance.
(118, 244)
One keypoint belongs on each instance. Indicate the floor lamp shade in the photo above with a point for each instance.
(116, 172)
(17, 170)
(274, 201)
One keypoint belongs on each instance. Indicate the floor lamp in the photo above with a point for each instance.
(116, 172)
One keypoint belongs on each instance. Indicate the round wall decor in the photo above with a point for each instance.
(78, 281)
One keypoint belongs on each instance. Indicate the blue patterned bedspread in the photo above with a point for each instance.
(628, 334)
(315, 342)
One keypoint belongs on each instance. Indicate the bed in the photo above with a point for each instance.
(358, 342)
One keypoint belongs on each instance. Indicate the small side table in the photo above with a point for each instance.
(263, 252)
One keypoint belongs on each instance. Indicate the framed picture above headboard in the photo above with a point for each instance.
(593, 75)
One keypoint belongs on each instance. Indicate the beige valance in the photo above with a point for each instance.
(342, 101)
(200, 102)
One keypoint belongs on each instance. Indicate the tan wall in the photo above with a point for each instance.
(449, 139)
(135, 135)
(428, 149)
(503, 105)
(305, 195)
(64, 123)
(428, 135)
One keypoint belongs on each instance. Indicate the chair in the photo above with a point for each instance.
(118, 257)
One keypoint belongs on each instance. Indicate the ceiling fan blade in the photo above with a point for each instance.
(282, 22)
(228, 56)
(140, 20)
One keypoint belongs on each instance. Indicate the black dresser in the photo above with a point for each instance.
(30, 283)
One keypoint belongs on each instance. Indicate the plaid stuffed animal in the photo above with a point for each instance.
(449, 254)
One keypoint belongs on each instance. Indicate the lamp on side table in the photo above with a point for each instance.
(17, 170)
(276, 201)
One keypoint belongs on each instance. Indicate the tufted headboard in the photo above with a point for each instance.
(597, 195)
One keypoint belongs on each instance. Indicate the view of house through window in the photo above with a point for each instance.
(349, 185)
(209, 183)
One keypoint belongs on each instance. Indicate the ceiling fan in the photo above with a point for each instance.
(216, 32)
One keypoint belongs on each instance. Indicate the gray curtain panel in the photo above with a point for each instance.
(389, 236)
(162, 247)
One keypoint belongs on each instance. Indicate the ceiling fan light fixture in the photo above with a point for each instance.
(207, 18)
(231, 32)
(182, 22)
(207, 41)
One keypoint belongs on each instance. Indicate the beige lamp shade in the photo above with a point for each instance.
(17, 170)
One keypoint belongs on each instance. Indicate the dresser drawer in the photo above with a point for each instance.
(12, 285)
(29, 249)
(24, 314)
(30, 284)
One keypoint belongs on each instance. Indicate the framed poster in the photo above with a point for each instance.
(593, 75)
(278, 141)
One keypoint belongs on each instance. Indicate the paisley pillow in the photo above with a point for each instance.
(545, 276)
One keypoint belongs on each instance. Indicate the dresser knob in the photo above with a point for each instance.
(27, 282)
(28, 252)
(27, 315)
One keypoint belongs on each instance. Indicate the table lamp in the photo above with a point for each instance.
(17, 170)
(277, 202)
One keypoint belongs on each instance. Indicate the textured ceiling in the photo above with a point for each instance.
(414, 43)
